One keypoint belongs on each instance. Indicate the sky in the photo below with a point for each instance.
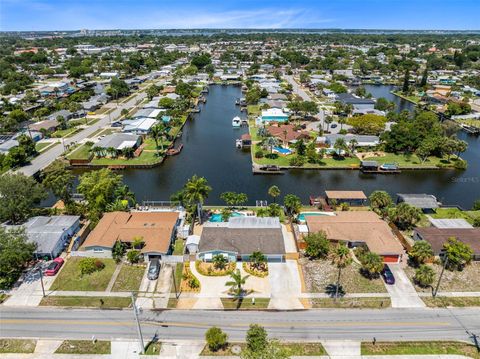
(42, 15)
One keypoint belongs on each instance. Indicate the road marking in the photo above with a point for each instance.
(239, 325)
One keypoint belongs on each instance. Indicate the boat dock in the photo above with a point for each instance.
(175, 151)
(267, 170)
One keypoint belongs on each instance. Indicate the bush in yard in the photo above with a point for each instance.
(256, 338)
(90, 265)
(318, 245)
(118, 251)
(216, 339)
(420, 252)
(424, 275)
(133, 256)
(259, 154)
(344, 206)
(372, 264)
(297, 161)
(193, 282)
(458, 253)
(219, 261)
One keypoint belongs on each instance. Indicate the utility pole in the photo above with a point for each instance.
(434, 294)
(41, 280)
(174, 281)
(139, 329)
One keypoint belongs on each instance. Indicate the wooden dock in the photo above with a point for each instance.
(267, 170)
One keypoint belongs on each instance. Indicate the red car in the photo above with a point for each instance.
(54, 266)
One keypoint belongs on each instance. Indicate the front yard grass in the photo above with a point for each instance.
(69, 132)
(245, 303)
(321, 276)
(178, 247)
(87, 302)
(419, 348)
(145, 158)
(291, 349)
(70, 277)
(363, 303)
(129, 278)
(453, 213)
(80, 153)
(444, 302)
(178, 277)
(153, 348)
(84, 347)
(412, 161)
(467, 280)
(17, 346)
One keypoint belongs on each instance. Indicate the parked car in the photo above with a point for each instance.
(388, 275)
(153, 269)
(117, 124)
(54, 266)
(334, 125)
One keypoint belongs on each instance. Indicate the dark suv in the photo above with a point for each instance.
(388, 275)
(153, 269)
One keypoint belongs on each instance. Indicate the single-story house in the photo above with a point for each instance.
(139, 125)
(287, 133)
(51, 234)
(359, 228)
(362, 140)
(49, 125)
(273, 114)
(438, 236)
(119, 141)
(156, 229)
(353, 198)
(426, 202)
(67, 115)
(147, 112)
(238, 238)
(357, 103)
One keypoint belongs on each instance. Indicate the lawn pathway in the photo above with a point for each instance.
(114, 277)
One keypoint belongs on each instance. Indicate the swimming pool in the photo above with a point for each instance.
(301, 216)
(282, 151)
(217, 217)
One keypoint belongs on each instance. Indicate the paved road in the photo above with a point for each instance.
(44, 159)
(305, 96)
(387, 324)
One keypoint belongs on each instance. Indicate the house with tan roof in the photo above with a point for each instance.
(358, 228)
(157, 231)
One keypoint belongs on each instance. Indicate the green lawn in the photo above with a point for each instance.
(80, 153)
(43, 145)
(17, 346)
(372, 303)
(406, 161)
(84, 347)
(172, 303)
(452, 301)
(69, 132)
(178, 277)
(153, 348)
(254, 110)
(178, 247)
(419, 348)
(327, 162)
(129, 278)
(291, 349)
(411, 98)
(245, 303)
(70, 277)
(103, 131)
(90, 302)
(146, 158)
(469, 216)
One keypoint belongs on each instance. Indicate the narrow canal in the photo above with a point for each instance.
(209, 151)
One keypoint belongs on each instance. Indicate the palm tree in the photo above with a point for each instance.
(219, 261)
(424, 275)
(196, 191)
(328, 120)
(340, 145)
(124, 193)
(270, 142)
(372, 264)
(342, 120)
(157, 132)
(236, 282)
(292, 203)
(274, 192)
(380, 201)
(258, 260)
(353, 145)
(112, 151)
(341, 258)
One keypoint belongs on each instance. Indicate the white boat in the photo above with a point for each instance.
(237, 121)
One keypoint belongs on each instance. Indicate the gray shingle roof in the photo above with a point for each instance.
(419, 200)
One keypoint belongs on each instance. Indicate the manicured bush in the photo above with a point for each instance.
(90, 265)
(256, 338)
(133, 256)
(216, 339)
(424, 276)
(259, 154)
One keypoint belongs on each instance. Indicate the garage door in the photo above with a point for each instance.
(275, 258)
(390, 259)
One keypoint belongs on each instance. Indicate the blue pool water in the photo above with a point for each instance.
(217, 217)
(281, 150)
(301, 216)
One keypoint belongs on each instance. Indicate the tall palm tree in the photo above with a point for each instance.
(236, 282)
(340, 145)
(353, 145)
(342, 120)
(157, 132)
(196, 191)
(270, 142)
(328, 120)
(274, 192)
(341, 258)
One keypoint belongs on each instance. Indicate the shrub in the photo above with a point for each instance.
(424, 275)
(259, 154)
(297, 161)
(90, 265)
(216, 339)
(133, 256)
(372, 265)
(460, 164)
(344, 206)
(256, 338)
(193, 282)
(318, 245)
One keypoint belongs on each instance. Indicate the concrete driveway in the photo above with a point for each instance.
(285, 285)
(403, 293)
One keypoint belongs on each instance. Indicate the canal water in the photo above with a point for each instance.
(209, 151)
(378, 91)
